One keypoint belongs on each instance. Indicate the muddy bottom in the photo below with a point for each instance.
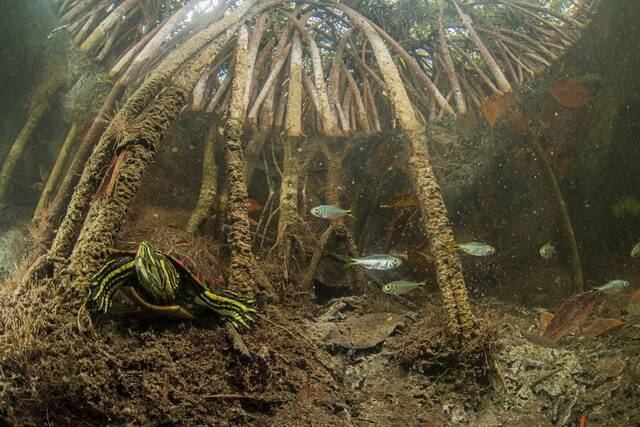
(352, 361)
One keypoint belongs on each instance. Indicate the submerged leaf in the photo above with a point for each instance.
(635, 297)
(570, 93)
(570, 315)
(545, 318)
(494, 108)
(600, 326)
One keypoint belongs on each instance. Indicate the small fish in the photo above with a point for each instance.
(635, 252)
(401, 202)
(376, 262)
(613, 286)
(475, 248)
(330, 212)
(401, 287)
(634, 308)
(548, 251)
(55, 30)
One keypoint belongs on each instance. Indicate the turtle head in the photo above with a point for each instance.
(145, 250)
(156, 273)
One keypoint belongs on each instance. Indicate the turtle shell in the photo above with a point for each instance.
(196, 258)
(195, 261)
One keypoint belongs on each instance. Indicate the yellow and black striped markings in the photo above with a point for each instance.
(108, 280)
(150, 279)
(234, 311)
(157, 274)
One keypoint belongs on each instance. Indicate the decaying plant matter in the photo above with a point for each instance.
(311, 68)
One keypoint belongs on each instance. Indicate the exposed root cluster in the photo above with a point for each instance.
(431, 351)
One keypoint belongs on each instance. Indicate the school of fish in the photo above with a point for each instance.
(479, 249)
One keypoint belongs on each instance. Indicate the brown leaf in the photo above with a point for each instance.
(635, 297)
(494, 108)
(389, 154)
(570, 93)
(518, 123)
(545, 318)
(254, 206)
(600, 326)
(570, 315)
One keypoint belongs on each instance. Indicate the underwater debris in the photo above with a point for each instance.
(401, 202)
(627, 206)
(14, 246)
(363, 332)
(570, 315)
(599, 326)
(571, 93)
(495, 108)
(545, 318)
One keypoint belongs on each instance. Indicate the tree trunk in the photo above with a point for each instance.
(565, 219)
(40, 106)
(434, 213)
(56, 171)
(209, 187)
(239, 238)
(108, 211)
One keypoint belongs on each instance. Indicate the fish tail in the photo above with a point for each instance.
(350, 263)
(340, 258)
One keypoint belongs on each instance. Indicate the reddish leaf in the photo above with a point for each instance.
(545, 318)
(494, 108)
(600, 326)
(635, 297)
(389, 154)
(572, 313)
(110, 177)
(518, 123)
(254, 206)
(570, 93)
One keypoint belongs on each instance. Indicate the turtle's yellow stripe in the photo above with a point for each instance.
(156, 274)
(107, 281)
(234, 311)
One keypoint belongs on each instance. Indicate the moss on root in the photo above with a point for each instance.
(432, 352)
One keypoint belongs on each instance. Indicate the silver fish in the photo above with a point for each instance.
(476, 248)
(401, 287)
(548, 251)
(376, 262)
(635, 252)
(330, 212)
(613, 286)
(55, 30)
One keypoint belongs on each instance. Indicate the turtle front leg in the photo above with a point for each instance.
(230, 306)
(108, 280)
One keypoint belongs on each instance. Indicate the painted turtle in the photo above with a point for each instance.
(165, 283)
